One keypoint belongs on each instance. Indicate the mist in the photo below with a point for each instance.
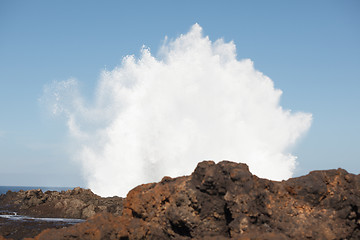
(155, 116)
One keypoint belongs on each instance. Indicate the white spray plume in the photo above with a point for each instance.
(153, 117)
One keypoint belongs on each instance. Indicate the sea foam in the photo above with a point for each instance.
(156, 116)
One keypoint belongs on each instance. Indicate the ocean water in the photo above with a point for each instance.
(13, 216)
(4, 189)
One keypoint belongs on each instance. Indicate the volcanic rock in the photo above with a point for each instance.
(76, 203)
(224, 200)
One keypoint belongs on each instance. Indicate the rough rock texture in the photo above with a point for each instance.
(20, 229)
(76, 203)
(224, 200)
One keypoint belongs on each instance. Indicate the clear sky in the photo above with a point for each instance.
(310, 49)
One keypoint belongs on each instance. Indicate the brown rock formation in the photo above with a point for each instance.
(76, 203)
(224, 200)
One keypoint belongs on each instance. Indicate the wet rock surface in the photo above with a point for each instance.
(18, 230)
(77, 203)
(224, 200)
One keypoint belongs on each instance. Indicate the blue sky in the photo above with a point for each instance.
(310, 49)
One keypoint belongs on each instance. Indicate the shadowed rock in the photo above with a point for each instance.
(76, 203)
(224, 200)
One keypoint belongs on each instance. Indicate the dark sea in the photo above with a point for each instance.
(4, 189)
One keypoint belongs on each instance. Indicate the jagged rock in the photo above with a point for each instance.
(76, 203)
(89, 211)
(224, 200)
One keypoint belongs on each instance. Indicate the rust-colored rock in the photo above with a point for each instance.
(224, 200)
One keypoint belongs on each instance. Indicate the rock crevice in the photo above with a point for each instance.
(224, 200)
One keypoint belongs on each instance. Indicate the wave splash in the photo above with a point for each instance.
(156, 116)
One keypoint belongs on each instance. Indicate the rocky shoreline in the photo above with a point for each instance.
(72, 204)
(217, 201)
(76, 203)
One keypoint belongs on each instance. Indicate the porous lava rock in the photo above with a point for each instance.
(75, 203)
(224, 200)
